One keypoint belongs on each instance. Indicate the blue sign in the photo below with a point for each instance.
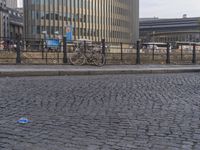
(69, 33)
(53, 43)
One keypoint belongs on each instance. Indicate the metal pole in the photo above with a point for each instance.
(121, 51)
(42, 49)
(181, 52)
(58, 57)
(153, 52)
(85, 47)
(65, 50)
(138, 53)
(103, 41)
(46, 57)
(103, 47)
(18, 58)
(194, 54)
(168, 54)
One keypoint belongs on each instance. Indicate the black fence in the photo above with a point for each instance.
(54, 51)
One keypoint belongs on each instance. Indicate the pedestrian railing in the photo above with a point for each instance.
(56, 51)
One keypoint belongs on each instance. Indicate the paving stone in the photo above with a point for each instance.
(111, 112)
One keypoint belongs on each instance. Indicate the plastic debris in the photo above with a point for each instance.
(23, 120)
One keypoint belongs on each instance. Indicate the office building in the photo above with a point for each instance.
(11, 22)
(4, 19)
(15, 23)
(112, 20)
(170, 30)
(11, 3)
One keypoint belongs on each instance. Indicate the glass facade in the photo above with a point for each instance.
(113, 20)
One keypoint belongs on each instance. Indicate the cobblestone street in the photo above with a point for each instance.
(110, 112)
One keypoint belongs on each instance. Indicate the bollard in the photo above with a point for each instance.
(138, 53)
(168, 54)
(65, 50)
(194, 54)
(18, 58)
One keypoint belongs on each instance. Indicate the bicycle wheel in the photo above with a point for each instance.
(54, 61)
(99, 59)
(77, 59)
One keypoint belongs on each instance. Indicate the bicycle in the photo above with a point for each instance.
(91, 55)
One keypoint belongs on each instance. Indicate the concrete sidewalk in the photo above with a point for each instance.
(63, 70)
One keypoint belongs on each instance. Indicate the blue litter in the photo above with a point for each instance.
(23, 121)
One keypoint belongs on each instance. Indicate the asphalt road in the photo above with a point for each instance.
(112, 112)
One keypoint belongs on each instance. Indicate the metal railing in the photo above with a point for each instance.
(54, 51)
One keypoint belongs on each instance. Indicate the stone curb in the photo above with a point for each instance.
(94, 72)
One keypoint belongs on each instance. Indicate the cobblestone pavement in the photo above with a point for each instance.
(121, 112)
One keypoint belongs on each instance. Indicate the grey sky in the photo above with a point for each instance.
(169, 8)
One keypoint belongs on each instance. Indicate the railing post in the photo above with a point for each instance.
(194, 54)
(42, 49)
(181, 52)
(168, 54)
(121, 45)
(103, 41)
(85, 47)
(103, 46)
(138, 53)
(65, 50)
(46, 57)
(153, 58)
(58, 57)
(18, 57)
